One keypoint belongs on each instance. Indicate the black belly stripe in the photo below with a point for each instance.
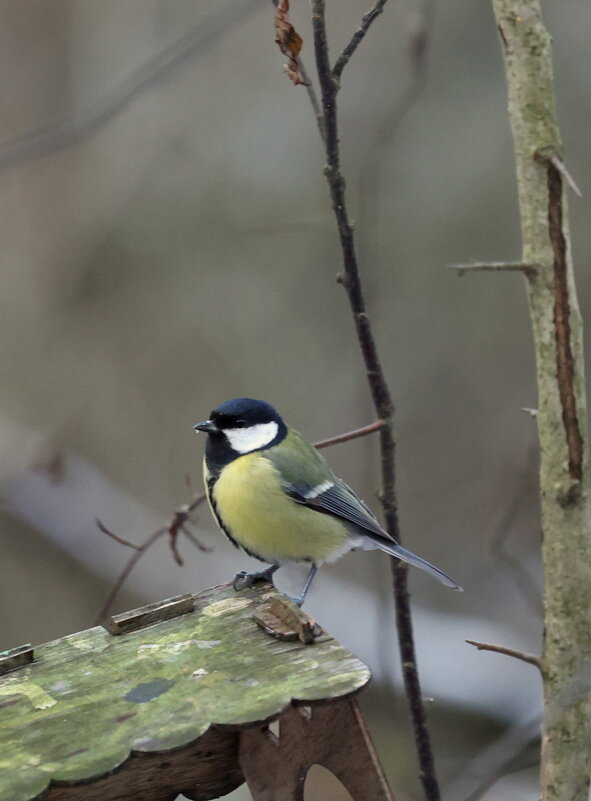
(210, 485)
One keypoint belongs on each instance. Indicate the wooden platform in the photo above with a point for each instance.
(157, 708)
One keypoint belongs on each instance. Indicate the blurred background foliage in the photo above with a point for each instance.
(168, 243)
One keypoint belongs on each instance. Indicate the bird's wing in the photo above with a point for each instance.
(309, 480)
(342, 502)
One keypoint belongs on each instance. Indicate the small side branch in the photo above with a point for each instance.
(357, 38)
(313, 98)
(311, 92)
(495, 266)
(121, 540)
(500, 649)
(358, 432)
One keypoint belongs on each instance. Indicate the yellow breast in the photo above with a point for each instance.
(258, 514)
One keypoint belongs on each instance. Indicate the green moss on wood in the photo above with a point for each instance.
(91, 698)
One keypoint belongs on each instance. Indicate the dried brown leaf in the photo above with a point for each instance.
(289, 41)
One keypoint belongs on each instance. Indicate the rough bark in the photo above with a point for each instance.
(562, 417)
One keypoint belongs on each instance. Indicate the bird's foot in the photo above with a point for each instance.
(243, 580)
(299, 600)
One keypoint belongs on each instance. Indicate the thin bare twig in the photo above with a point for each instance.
(358, 432)
(117, 537)
(357, 38)
(380, 393)
(501, 649)
(312, 97)
(495, 266)
(176, 525)
(127, 568)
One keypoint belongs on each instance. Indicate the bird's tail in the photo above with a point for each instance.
(408, 556)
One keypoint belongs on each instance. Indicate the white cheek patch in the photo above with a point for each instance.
(244, 440)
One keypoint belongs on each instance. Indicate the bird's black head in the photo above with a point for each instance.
(240, 426)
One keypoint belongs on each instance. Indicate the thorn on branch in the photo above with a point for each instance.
(561, 167)
(550, 155)
(500, 649)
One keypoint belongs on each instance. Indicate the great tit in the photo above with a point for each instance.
(275, 496)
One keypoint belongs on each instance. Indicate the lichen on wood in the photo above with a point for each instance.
(92, 699)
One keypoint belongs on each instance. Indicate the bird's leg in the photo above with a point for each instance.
(243, 579)
(302, 596)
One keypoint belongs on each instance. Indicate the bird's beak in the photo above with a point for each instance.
(207, 426)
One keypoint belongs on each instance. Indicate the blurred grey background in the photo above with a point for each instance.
(168, 244)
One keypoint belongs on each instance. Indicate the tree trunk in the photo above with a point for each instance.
(562, 415)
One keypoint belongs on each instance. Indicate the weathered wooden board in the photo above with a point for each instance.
(90, 700)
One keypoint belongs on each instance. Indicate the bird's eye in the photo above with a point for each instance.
(239, 424)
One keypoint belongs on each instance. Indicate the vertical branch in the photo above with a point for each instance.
(562, 417)
(329, 80)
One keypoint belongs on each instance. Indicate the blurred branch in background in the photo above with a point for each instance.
(59, 494)
(498, 544)
(392, 118)
(85, 122)
(503, 755)
(495, 761)
(329, 79)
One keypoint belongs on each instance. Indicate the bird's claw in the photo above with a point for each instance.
(244, 580)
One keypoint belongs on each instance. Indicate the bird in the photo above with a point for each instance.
(275, 497)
